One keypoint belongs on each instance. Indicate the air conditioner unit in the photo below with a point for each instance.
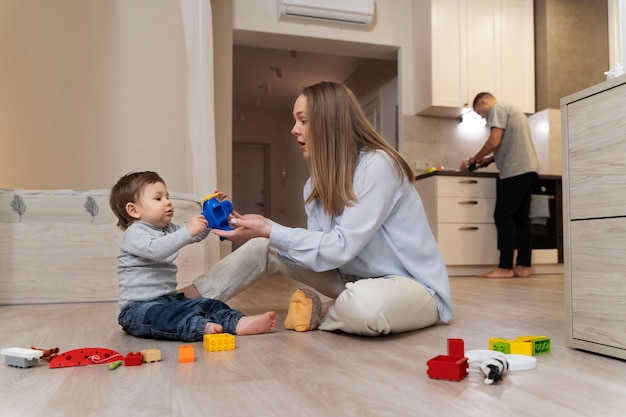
(356, 12)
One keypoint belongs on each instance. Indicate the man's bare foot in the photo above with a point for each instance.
(498, 273)
(260, 323)
(521, 271)
(212, 328)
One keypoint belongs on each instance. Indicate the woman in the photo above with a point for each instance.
(368, 245)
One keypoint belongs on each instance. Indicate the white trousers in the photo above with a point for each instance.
(369, 307)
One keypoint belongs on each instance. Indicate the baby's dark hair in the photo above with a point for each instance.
(128, 189)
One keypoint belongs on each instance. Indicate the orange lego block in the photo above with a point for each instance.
(186, 354)
(218, 342)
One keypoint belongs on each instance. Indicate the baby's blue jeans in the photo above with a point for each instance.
(175, 317)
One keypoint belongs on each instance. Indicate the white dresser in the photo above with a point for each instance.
(594, 212)
(460, 213)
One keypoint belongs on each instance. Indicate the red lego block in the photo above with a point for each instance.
(453, 366)
(133, 359)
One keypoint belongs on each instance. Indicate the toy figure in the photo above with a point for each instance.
(490, 362)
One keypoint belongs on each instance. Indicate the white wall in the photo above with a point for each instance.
(90, 90)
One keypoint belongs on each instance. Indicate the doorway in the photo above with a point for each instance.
(250, 178)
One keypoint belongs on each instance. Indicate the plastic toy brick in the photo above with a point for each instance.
(21, 357)
(218, 342)
(151, 355)
(540, 344)
(186, 354)
(522, 345)
(217, 213)
(453, 366)
(133, 359)
(511, 346)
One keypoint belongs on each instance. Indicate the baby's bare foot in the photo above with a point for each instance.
(260, 323)
(498, 273)
(212, 328)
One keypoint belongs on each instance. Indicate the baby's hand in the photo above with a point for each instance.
(197, 224)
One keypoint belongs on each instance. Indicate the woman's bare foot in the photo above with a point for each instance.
(212, 328)
(260, 323)
(498, 273)
(521, 271)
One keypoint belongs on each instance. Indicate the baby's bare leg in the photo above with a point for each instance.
(260, 323)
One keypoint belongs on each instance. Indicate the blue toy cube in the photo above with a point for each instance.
(217, 213)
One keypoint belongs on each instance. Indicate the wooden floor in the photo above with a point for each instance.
(290, 374)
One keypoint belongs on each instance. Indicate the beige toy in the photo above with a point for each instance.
(305, 311)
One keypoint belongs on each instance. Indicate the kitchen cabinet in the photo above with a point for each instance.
(460, 214)
(594, 211)
(463, 47)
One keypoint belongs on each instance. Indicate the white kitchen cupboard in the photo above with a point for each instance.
(460, 215)
(594, 211)
(463, 47)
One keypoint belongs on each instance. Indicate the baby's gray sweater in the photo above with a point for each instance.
(146, 268)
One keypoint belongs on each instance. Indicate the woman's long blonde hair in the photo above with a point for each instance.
(338, 132)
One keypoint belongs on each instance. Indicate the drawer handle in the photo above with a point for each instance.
(468, 228)
(468, 182)
(471, 202)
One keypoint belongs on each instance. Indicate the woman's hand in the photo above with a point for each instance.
(246, 227)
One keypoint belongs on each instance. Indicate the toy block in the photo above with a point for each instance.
(21, 357)
(511, 346)
(540, 344)
(216, 213)
(453, 366)
(133, 359)
(219, 341)
(186, 354)
(151, 355)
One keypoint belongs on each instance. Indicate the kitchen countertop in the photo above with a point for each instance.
(455, 173)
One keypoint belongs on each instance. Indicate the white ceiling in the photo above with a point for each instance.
(275, 77)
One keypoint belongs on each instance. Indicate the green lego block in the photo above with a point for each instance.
(541, 346)
(503, 347)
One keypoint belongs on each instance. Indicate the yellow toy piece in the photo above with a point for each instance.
(210, 196)
(218, 342)
(151, 355)
(511, 346)
(522, 345)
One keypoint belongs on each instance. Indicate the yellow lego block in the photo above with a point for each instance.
(186, 354)
(151, 355)
(218, 342)
(511, 346)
